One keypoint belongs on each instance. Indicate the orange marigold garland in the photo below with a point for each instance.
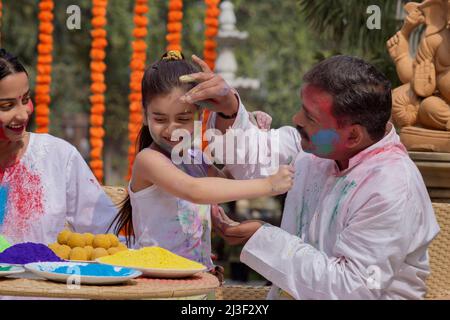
(174, 25)
(210, 45)
(98, 86)
(137, 66)
(212, 28)
(44, 65)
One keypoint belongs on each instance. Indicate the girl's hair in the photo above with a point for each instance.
(159, 79)
(9, 64)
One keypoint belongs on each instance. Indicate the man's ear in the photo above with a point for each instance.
(355, 135)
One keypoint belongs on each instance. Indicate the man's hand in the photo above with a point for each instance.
(211, 88)
(233, 232)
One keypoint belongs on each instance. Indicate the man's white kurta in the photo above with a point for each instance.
(361, 233)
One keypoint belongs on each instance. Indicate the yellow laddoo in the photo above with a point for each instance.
(113, 250)
(88, 238)
(78, 254)
(63, 236)
(54, 246)
(89, 250)
(76, 240)
(63, 251)
(122, 247)
(113, 239)
(101, 241)
(99, 252)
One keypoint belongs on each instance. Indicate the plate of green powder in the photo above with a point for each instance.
(9, 269)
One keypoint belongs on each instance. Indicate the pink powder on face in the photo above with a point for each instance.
(30, 106)
(3, 137)
(25, 200)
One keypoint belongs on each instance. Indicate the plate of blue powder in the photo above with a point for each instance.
(23, 253)
(9, 269)
(82, 273)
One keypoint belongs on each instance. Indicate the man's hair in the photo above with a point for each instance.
(361, 93)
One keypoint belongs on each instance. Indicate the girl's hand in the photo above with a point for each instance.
(220, 218)
(282, 181)
(261, 119)
(212, 89)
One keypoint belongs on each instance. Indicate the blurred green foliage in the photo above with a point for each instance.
(286, 38)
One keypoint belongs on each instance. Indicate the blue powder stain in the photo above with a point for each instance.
(3, 203)
(324, 140)
(347, 187)
(95, 270)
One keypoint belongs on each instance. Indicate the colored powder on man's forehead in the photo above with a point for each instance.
(324, 141)
(4, 244)
(28, 252)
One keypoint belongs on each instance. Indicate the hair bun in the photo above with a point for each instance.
(173, 55)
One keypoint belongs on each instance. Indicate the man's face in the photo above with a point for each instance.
(317, 126)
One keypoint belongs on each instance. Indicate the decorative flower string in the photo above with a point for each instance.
(212, 28)
(137, 66)
(98, 86)
(210, 46)
(44, 65)
(174, 25)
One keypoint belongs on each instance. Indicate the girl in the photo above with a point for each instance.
(169, 205)
(45, 184)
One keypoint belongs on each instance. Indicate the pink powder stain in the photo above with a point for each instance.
(30, 106)
(392, 148)
(3, 137)
(25, 200)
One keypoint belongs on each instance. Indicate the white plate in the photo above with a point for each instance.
(160, 273)
(13, 269)
(82, 261)
(72, 275)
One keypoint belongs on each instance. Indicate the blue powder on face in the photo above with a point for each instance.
(95, 270)
(324, 141)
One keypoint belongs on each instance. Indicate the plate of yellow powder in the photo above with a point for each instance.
(154, 262)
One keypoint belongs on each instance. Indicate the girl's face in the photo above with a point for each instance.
(166, 113)
(15, 107)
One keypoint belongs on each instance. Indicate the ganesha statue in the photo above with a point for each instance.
(421, 106)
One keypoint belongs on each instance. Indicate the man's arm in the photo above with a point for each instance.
(376, 240)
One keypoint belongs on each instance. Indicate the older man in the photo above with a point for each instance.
(358, 221)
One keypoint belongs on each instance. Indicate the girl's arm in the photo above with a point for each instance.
(213, 171)
(152, 167)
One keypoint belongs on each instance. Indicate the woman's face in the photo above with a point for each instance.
(15, 107)
(166, 113)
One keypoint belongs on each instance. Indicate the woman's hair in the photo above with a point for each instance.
(159, 79)
(9, 64)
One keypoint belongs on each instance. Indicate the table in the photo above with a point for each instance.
(199, 285)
